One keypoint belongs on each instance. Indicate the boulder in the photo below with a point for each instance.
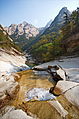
(70, 90)
(10, 112)
(16, 114)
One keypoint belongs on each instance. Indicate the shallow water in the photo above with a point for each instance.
(39, 94)
(29, 80)
(31, 83)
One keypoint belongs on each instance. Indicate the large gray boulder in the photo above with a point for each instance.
(16, 114)
(10, 112)
(70, 90)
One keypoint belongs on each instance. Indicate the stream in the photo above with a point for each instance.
(34, 98)
(30, 79)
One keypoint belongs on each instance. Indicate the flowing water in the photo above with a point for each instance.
(35, 88)
(29, 80)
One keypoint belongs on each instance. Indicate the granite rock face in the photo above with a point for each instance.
(16, 114)
(10, 112)
(70, 90)
(12, 61)
(22, 29)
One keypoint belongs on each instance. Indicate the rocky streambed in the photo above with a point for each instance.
(33, 99)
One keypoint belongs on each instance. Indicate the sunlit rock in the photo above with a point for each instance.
(10, 112)
(70, 90)
(8, 88)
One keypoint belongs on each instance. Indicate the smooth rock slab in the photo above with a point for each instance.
(58, 107)
(16, 114)
(70, 90)
(8, 88)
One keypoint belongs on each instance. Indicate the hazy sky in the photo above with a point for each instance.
(36, 12)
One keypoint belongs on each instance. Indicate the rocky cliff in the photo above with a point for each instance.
(59, 20)
(23, 28)
(22, 33)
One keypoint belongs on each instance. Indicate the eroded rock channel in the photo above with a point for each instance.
(33, 100)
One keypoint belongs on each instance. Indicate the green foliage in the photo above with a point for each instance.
(54, 44)
(69, 29)
(5, 41)
(22, 41)
(47, 48)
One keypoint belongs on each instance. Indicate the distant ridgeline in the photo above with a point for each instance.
(60, 38)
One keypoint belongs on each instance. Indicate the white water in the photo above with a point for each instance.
(39, 94)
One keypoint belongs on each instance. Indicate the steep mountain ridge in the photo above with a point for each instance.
(58, 22)
(22, 33)
(42, 30)
(61, 38)
(25, 35)
(51, 30)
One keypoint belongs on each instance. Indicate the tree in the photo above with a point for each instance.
(66, 18)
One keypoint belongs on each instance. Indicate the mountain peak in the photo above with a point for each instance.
(12, 25)
(60, 16)
(21, 29)
(64, 9)
(58, 21)
(24, 23)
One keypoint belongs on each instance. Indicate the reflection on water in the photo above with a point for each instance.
(39, 94)
(28, 81)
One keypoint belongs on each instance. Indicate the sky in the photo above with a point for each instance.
(36, 12)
